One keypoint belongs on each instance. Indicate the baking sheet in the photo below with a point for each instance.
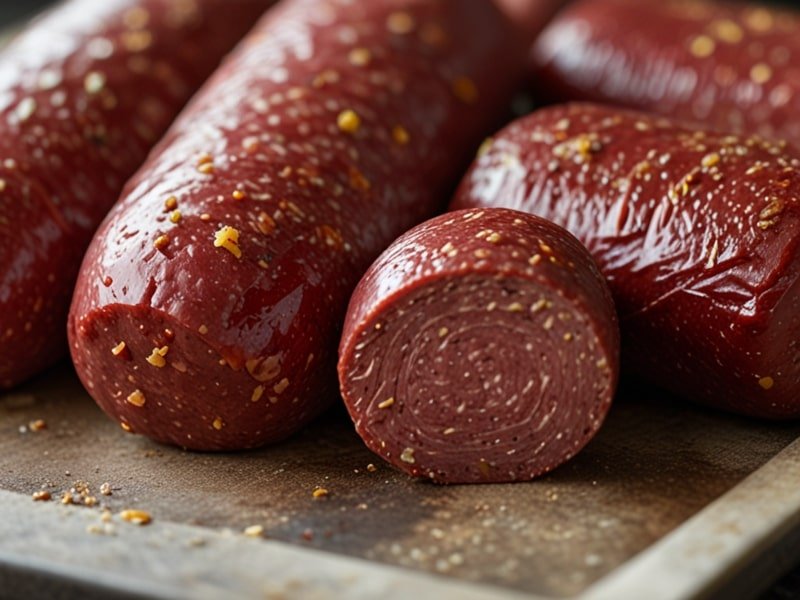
(655, 465)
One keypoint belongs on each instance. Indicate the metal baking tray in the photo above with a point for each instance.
(669, 501)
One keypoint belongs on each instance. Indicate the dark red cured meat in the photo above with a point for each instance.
(698, 234)
(334, 128)
(85, 92)
(727, 65)
(482, 346)
(532, 15)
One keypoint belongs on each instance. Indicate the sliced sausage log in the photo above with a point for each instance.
(728, 65)
(698, 234)
(210, 303)
(85, 92)
(482, 346)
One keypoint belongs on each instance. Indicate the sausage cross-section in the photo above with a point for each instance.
(732, 66)
(211, 301)
(482, 346)
(85, 92)
(698, 234)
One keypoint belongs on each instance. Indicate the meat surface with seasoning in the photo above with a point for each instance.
(211, 301)
(85, 92)
(731, 66)
(698, 234)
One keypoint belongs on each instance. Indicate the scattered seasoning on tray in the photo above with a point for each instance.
(254, 531)
(320, 492)
(137, 517)
(37, 425)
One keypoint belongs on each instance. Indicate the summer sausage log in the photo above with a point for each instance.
(728, 65)
(211, 300)
(482, 346)
(698, 234)
(85, 92)
(532, 15)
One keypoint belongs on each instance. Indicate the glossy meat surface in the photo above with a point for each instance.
(698, 234)
(227, 265)
(482, 346)
(726, 65)
(531, 15)
(85, 92)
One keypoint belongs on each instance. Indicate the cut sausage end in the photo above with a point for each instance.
(478, 379)
(155, 376)
(490, 371)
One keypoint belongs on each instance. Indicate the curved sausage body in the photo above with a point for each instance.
(85, 92)
(210, 304)
(482, 346)
(531, 15)
(731, 66)
(698, 234)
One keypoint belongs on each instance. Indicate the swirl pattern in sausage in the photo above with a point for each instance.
(482, 346)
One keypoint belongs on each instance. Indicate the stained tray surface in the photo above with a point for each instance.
(656, 463)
